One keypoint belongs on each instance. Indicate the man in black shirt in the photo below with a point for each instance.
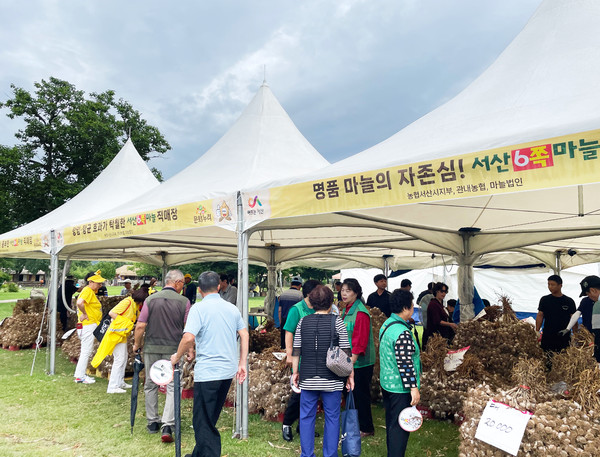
(427, 291)
(70, 289)
(190, 288)
(381, 297)
(406, 284)
(554, 312)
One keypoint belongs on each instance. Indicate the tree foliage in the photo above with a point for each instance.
(67, 139)
(310, 273)
(147, 270)
(4, 277)
(80, 268)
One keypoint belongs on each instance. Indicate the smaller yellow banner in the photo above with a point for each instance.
(23, 244)
(189, 215)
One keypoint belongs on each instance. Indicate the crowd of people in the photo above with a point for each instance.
(309, 326)
(170, 325)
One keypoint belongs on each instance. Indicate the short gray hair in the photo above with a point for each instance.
(209, 281)
(173, 276)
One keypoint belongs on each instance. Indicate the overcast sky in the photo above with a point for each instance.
(350, 73)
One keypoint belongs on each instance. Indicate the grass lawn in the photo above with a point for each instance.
(22, 293)
(6, 309)
(52, 416)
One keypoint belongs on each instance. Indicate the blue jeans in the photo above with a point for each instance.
(308, 416)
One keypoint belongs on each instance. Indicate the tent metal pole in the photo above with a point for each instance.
(52, 299)
(241, 411)
(246, 283)
(466, 280)
(165, 267)
(557, 263)
(466, 291)
(271, 280)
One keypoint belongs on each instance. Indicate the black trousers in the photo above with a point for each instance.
(64, 317)
(396, 437)
(282, 336)
(596, 334)
(362, 397)
(209, 398)
(292, 410)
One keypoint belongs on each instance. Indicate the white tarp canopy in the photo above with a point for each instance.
(262, 145)
(125, 178)
(523, 287)
(543, 86)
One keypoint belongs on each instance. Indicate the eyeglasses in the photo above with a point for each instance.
(444, 291)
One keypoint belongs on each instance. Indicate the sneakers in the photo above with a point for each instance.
(153, 427)
(167, 434)
(286, 432)
(115, 390)
(125, 386)
(85, 380)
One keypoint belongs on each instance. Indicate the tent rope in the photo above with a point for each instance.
(39, 339)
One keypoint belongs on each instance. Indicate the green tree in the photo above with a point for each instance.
(195, 269)
(67, 140)
(10, 174)
(4, 277)
(31, 265)
(146, 269)
(80, 268)
(310, 273)
(108, 269)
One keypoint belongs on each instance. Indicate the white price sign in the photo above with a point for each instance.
(502, 426)
(480, 315)
(454, 359)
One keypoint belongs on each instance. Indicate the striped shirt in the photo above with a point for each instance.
(317, 382)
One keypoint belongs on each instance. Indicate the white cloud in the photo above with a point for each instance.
(348, 72)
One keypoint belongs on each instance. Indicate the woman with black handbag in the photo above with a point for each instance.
(312, 339)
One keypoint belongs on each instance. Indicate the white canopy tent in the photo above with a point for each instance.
(541, 91)
(262, 145)
(126, 178)
(194, 215)
(44, 237)
(538, 99)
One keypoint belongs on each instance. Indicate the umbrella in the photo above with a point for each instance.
(177, 401)
(138, 366)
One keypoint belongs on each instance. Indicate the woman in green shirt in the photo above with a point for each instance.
(357, 319)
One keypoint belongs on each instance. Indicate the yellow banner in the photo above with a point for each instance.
(23, 244)
(189, 215)
(556, 162)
